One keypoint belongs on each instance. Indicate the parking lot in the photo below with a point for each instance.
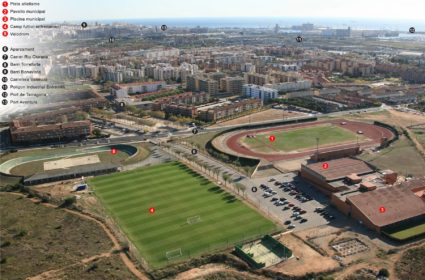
(293, 201)
(267, 205)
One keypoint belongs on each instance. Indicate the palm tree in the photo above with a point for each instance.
(243, 189)
(217, 172)
(225, 177)
(238, 187)
(209, 168)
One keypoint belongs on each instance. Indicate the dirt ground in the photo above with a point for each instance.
(398, 118)
(290, 165)
(70, 162)
(59, 190)
(59, 244)
(305, 258)
(375, 258)
(267, 115)
(200, 272)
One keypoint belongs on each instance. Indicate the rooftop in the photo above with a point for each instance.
(339, 168)
(400, 204)
(73, 171)
(120, 86)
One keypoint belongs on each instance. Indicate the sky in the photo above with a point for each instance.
(73, 10)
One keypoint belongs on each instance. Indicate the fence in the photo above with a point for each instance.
(276, 247)
(244, 256)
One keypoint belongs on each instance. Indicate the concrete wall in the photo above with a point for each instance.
(341, 205)
(358, 215)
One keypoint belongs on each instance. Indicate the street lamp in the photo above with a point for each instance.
(317, 148)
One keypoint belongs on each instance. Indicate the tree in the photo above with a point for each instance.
(131, 108)
(80, 115)
(97, 132)
(216, 171)
(225, 177)
(242, 188)
(239, 187)
(383, 272)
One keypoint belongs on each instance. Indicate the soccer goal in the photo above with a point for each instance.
(174, 254)
(193, 220)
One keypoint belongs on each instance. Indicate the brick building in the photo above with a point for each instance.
(227, 110)
(49, 132)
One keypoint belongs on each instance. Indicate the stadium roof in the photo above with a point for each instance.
(340, 168)
(77, 171)
(400, 204)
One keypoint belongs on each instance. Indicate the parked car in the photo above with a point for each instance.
(288, 222)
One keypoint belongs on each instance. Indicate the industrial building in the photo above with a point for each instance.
(373, 198)
(333, 178)
(382, 208)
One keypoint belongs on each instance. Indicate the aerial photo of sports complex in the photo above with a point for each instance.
(212, 140)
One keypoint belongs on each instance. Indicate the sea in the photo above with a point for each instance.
(270, 22)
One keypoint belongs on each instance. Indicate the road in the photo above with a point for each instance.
(135, 136)
(335, 114)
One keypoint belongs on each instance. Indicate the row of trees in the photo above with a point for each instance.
(211, 170)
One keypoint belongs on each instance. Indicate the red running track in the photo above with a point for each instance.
(373, 132)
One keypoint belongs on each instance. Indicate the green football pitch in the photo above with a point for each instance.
(300, 138)
(216, 218)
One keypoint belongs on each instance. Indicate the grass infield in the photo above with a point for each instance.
(176, 193)
(300, 138)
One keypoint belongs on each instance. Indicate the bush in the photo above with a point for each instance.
(68, 201)
(20, 234)
(4, 244)
(384, 272)
(92, 267)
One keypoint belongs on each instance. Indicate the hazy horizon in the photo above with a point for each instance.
(159, 9)
(266, 22)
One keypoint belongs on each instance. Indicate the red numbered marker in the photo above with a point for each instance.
(272, 138)
(325, 165)
(151, 210)
(114, 151)
(382, 209)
